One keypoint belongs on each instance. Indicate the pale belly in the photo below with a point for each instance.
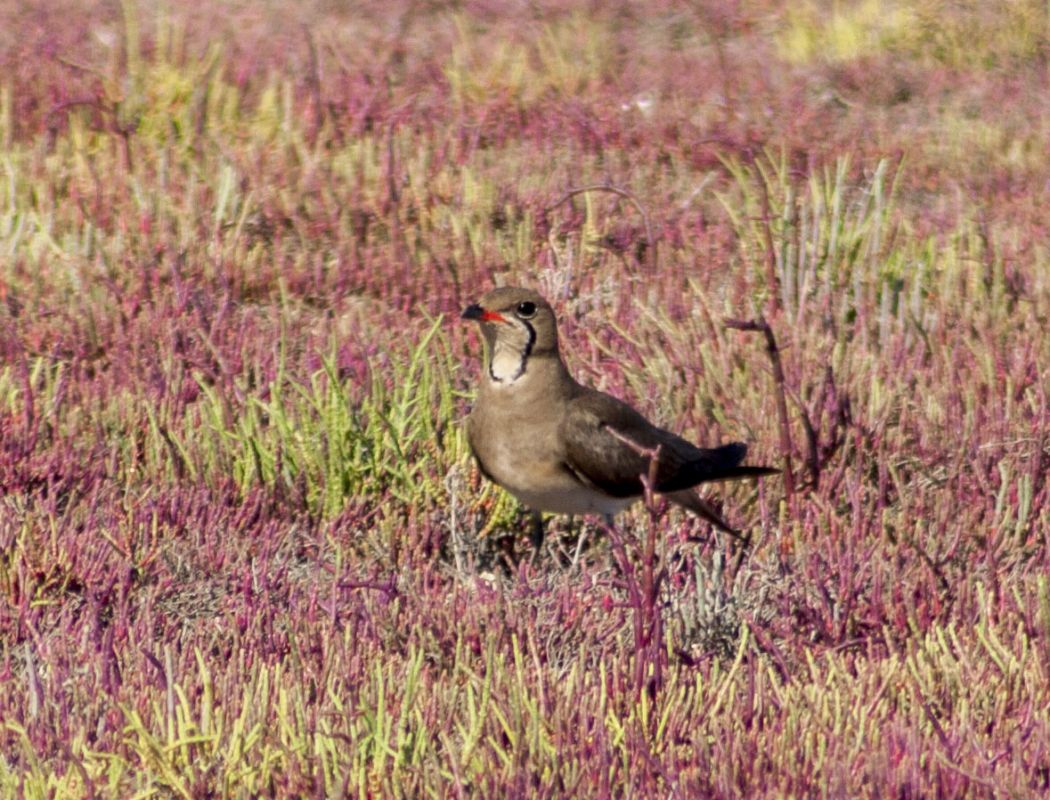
(537, 478)
(577, 500)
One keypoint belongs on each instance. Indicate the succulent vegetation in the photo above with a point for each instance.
(243, 548)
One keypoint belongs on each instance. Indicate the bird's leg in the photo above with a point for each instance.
(536, 534)
(581, 539)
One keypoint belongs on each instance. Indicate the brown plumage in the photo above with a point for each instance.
(561, 447)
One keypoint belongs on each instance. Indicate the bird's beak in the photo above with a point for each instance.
(476, 312)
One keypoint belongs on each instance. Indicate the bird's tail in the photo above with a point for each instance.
(742, 471)
(688, 498)
(718, 464)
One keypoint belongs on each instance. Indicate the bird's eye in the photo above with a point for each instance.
(526, 309)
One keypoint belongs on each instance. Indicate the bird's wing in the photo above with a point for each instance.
(594, 431)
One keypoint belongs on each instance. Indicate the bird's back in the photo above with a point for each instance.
(609, 445)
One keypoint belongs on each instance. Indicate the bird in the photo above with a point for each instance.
(561, 447)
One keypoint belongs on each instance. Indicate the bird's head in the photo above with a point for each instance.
(518, 324)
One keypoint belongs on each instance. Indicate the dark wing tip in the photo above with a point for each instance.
(731, 454)
(734, 453)
(754, 471)
(718, 464)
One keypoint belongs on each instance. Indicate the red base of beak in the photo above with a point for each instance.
(477, 312)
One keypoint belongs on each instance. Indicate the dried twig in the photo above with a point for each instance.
(786, 447)
(644, 595)
(701, 506)
(651, 253)
(773, 306)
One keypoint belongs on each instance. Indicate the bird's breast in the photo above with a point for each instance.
(515, 448)
(516, 438)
